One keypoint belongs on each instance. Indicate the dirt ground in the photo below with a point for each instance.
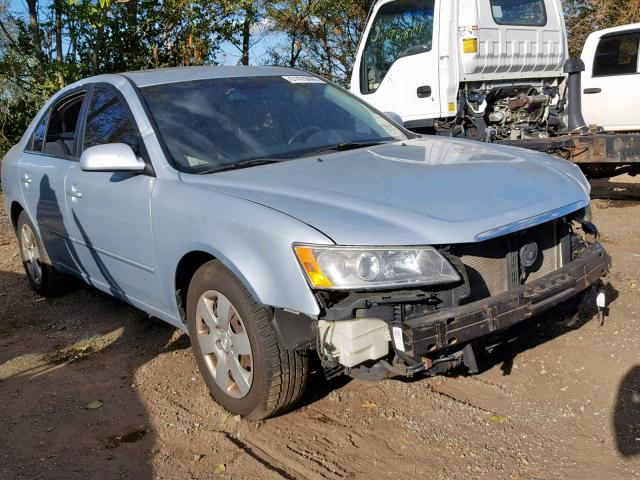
(92, 388)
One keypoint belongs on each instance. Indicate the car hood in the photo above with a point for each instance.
(423, 191)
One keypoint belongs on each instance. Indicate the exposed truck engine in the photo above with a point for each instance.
(489, 70)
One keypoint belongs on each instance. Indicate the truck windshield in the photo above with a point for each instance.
(224, 123)
(400, 28)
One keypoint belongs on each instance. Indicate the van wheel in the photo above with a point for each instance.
(236, 347)
(43, 278)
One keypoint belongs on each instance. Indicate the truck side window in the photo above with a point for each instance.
(519, 12)
(401, 28)
(617, 55)
(109, 121)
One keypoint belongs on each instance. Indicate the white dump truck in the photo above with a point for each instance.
(490, 70)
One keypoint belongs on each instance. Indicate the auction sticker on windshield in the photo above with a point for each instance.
(302, 79)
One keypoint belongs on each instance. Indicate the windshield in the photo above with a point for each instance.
(217, 124)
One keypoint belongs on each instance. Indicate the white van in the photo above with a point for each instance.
(611, 81)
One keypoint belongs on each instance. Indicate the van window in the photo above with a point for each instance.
(617, 55)
(519, 12)
(401, 28)
(61, 131)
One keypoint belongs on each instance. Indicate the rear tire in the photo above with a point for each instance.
(43, 278)
(236, 347)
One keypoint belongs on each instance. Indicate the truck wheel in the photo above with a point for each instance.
(236, 348)
(43, 278)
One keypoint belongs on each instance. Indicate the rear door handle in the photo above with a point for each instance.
(73, 191)
(26, 178)
(592, 90)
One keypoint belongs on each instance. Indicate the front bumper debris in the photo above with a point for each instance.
(436, 331)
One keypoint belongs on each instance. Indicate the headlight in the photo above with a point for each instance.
(357, 267)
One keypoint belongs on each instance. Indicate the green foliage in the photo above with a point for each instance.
(322, 35)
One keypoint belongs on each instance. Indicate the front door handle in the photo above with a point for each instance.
(424, 91)
(26, 178)
(592, 90)
(73, 191)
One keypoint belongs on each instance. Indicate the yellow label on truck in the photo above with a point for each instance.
(469, 45)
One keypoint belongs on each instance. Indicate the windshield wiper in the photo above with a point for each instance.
(344, 146)
(254, 162)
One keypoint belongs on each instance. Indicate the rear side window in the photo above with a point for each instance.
(61, 137)
(400, 29)
(109, 121)
(36, 143)
(617, 55)
(529, 13)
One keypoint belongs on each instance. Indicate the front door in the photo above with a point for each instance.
(109, 213)
(610, 85)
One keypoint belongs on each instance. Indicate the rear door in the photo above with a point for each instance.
(49, 154)
(396, 68)
(110, 213)
(610, 95)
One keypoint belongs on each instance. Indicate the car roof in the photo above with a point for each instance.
(145, 78)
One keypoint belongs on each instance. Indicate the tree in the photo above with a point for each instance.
(586, 16)
(321, 35)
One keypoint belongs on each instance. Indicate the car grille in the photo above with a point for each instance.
(493, 266)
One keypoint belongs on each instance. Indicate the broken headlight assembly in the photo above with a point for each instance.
(340, 268)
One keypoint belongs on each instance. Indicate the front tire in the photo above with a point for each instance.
(236, 347)
(43, 278)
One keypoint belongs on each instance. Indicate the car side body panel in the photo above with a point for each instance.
(251, 240)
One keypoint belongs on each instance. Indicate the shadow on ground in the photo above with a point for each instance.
(626, 414)
(66, 371)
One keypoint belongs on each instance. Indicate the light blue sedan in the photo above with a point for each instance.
(282, 222)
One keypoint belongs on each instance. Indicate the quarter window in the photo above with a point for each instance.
(109, 121)
(36, 143)
(401, 28)
(617, 55)
(519, 12)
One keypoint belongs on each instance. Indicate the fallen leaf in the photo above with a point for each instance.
(94, 405)
(367, 405)
(496, 418)
(221, 468)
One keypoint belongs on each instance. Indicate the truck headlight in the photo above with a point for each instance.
(329, 267)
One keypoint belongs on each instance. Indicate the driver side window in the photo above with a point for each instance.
(400, 29)
(109, 121)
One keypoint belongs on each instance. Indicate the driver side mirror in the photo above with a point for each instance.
(111, 157)
(395, 117)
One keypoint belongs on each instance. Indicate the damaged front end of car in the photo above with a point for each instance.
(482, 289)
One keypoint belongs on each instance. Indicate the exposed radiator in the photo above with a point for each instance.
(491, 264)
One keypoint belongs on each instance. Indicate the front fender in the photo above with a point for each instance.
(251, 240)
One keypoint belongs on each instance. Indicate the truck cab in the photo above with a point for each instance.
(610, 79)
(431, 61)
